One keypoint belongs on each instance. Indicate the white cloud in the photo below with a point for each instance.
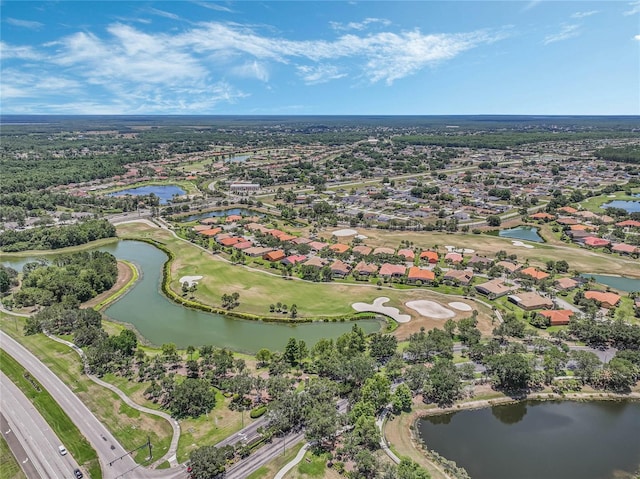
(531, 4)
(637, 37)
(635, 8)
(214, 6)
(584, 14)
(31, 25)
(314, 74)
(163, 13)
(359, 25)
(568, 31)
(252, 69)
(20, 52)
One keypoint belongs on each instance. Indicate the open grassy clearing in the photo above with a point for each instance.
(51, 411)
(9, 467)
(595, 202)
(313, 466)
(258, 290)
(129, 426)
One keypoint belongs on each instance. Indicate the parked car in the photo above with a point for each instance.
(63, 450)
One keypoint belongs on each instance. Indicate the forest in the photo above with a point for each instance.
(44, 238)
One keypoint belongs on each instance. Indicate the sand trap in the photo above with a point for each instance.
(345, 232)
(362, 237)
(377, 307)
(520, 243)
(455, 249)
(460, 306)
(190, 279)
(430, 309)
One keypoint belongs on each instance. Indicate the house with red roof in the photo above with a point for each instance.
(568, 210)
(339, 248)
(317, 245)
(453, 257)
(294, 259)
(542, 216)
(210, 232)
(243, 245)
(557, 317)
(384, 250)
(366, 269)
(277, 255)
(534, 273)
(629, 224)
(233, 218)
(340, 269)
(230, 241)
(605, 299)
(407, 253)
(624, 248)
(362, 249)
(418, 274)
(595, 242)
(429, 256)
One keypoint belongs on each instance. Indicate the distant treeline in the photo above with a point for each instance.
(504, 139)
(43, 238)
(623, 154)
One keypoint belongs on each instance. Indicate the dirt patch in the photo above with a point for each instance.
(125, 273)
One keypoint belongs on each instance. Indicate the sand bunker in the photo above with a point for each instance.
(455, 249)
(377, 307)
(430, 309)
(345, 232)
(520, 243)
(190, 279)
(460, 306)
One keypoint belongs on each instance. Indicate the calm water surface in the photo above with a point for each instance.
(526, 233)
(628, 206)
(540, 440)
(617, 282)
(213, 214)
(164, 192)
(160, 320)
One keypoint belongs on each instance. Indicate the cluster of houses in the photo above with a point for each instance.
(417, 267)
(583, 228)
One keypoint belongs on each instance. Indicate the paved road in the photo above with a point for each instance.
(17, 450)
(109, 450)
(39, 442)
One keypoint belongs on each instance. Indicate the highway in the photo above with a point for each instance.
(41, 457)
(114, 461)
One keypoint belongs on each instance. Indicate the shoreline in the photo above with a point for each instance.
(421, 448)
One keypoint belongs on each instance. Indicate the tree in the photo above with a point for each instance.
(402, 398)
(293, 311)
(207, 462)
(322, 423)
(382, 346)
(263, 356)
(192, 398)
(493, 220)
(376, 390)
(407, 469)
(443, 384)
(511, 371)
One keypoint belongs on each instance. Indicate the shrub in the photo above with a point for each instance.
(257, 412)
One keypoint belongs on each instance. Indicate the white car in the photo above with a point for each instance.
(63, 450)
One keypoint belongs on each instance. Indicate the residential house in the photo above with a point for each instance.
(408, 254)
(542, 216)
(256, 251)
(454, 258)
(456, 276)
(418, 274)
(243, 245)
(534, 273)
(366, 269)
(605, 299)
(530, 301)
(494, 288)
(340, 269)
(277, 255)
(293, 259)
(317, 245)
(508, 266)
(384, 250)
(480, 262)
(557, 317)
(362, 249)
(339, 248)
(429, 256)
(315, 261)
(623, 248)
(389, 270)
(566, 284)
(595, 242)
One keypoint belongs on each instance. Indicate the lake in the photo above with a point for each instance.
(237, 159)
(526, 233)
(540, 440)
(164, 192)
(616, 282)
(213, 214)
(160, 320)
(628, 206)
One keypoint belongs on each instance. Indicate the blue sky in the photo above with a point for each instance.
(329, 57)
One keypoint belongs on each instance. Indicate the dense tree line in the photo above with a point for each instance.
(623, 154)
(43, 238)
(70, 279)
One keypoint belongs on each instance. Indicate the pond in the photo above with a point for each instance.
(213, 214)
(164, 192)
(160, 320)
(628, 206)
(526, 233)
(535, 440)
(616, 282)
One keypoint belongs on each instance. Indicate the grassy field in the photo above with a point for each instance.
(9, 467)
(258, 289)
(595, 202)
(55, 416)
(129, 426)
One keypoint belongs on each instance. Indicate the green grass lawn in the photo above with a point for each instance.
(313, 465)
(129, 426)
(595, 202)
(55, 416)
(9, 467)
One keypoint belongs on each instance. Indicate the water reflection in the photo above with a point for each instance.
(511, 413)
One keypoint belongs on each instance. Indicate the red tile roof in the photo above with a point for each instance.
(595, 241)
(388, 269)
(421, 274)
(606, 299)
(339, 248)
(431, 256)
(534, 273)
(557, 317)
(274, 255)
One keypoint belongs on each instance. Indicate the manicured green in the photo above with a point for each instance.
(312, 465)
(55, 416)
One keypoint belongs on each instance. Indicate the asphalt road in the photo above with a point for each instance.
(114, 460)
(39, 442)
